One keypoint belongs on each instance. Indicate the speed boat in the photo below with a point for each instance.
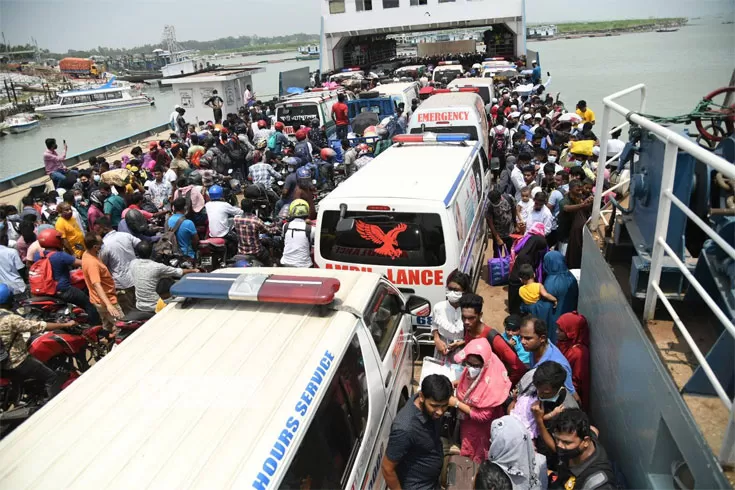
(106, 98)
(20, 124)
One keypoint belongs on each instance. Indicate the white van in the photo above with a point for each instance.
(400, 93)
(260, 378)
(447, 71)
(456, 110)
(300, 109)
(484, 85)
(415, 213)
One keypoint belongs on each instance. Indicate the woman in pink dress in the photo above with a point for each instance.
(482, 389)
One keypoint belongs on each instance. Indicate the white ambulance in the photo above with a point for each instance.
(455, 110)
(414, 214)
(259, 378)
(446, 71)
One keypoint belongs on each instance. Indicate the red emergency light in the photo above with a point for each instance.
(431, 138)
(378, 208)
(456, 89)
(445, 63)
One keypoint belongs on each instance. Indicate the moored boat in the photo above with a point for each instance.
(20, 124)
(108, 97)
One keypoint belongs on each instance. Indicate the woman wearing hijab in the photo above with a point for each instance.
(482, 389)
(512, 450)
(530, 249)
(574, 343)
(560, 283)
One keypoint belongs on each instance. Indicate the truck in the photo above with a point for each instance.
(79, 67)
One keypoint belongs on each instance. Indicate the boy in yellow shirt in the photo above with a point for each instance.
(71, 234)
(531, 291)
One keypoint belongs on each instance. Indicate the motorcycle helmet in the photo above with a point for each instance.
(261, 124)
(303, 173)
(136, 221)
(328, 154)
(216, 192)
(279, 126)
(195, 178)
(50, 239)
(363, 148)
(6, 295)
(298, 209)
(261, 143)
(294, 162)
(315, 123)
(235, 186)
(300, 135)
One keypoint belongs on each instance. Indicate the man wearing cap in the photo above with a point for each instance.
(216, 103)
(536, 73)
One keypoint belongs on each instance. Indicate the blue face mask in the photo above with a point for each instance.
(553, 399)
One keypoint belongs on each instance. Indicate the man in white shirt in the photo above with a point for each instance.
(248, 97)
(540, 213)
(516, 176)
(614, 146)
(220, 213)
(298, 237)
(173, 116)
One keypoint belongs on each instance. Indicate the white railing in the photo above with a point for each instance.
(674, 143)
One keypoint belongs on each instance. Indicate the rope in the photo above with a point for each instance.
(703, 111)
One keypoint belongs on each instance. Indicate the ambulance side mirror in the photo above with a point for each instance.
(345, 225)
(418, 306)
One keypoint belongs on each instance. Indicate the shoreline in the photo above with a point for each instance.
(612, 31)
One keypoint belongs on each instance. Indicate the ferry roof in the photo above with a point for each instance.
(72, 93)
(452, 99)
(223, 75)
(194, 399)
(425, 171)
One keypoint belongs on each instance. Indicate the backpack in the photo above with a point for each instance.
(41, 277)
(4, 353)
(168, 245)
(236, 150)
(306, 230)
(301, 150)
(273, 141)
(188, 210)
(499, 142)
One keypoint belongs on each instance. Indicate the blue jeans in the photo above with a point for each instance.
(58, 177)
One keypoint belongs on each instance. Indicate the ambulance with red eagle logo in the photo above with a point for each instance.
(414, 214)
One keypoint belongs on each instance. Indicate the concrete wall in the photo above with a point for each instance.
(644, 423)
(192, 96)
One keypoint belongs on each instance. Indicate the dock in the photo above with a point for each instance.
(15, 187)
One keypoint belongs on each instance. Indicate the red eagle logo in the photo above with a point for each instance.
(388, 241)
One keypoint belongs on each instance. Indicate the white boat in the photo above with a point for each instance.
(20, 124)
(108, 97)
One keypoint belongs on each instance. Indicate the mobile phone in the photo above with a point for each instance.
(64, 141)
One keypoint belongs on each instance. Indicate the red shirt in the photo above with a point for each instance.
(340, 114)
(516, 369)
(469, 338)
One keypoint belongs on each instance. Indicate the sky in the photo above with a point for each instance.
(60, 25)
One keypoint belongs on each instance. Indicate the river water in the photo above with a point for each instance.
(679, 68)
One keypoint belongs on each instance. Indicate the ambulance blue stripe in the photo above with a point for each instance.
(448, 199)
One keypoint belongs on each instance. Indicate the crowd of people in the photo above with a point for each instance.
(517, 406)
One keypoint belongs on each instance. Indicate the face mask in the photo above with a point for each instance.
(567, 454)
(454, 296)
(96, 178)
(553, 399)
(473, 372)
(552, 159)
(77, 198)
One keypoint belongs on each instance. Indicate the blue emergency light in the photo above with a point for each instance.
(266, 288)
(432, 138)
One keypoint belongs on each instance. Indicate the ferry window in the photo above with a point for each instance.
(81, 99)
(336, 6)
(418, 2)
(67, 100)
(114, 95)
(98, 97)
(390, 4)
(329, 449)
(384, 319)
(363, 5)
(384, 238)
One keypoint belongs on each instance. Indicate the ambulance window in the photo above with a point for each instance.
(332, 441)
(297, 114)
(383, 319)
(387, 239)
(478, 170)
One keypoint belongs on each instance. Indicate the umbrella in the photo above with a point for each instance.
(294, 90)
(570, 116)
(363, 121)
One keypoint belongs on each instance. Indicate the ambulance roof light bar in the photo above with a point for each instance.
(346, 70)
(445, 63)
(496, 58)
(265, 288)
(456, 89)
(432, 138)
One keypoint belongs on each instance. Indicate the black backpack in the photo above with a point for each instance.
(306, 230)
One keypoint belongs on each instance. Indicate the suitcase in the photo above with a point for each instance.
(460, 473)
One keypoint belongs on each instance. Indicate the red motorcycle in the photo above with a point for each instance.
(68, 352)
(130, 323)
(51, 308)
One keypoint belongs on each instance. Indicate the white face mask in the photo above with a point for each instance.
(473, 372)
(454, 296)
(552, 158)
(96, 178)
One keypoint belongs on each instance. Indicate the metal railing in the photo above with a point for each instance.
(674, 143)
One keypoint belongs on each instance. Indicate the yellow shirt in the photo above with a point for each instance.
(530, 293)
(160, 305)
(72, 233)
(587, 116)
